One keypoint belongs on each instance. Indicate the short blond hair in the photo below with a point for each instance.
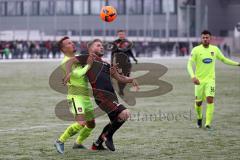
(89, 45)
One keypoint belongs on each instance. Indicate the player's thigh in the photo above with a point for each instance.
(107, 101)
(88, 109)
(199, 92)
(91, 123)
(82, 105)
(210, 89)
(119, 113)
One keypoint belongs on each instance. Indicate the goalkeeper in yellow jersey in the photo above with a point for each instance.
(204, 57)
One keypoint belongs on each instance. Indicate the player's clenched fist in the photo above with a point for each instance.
(66, 79)
(135, 84)
(195, 81)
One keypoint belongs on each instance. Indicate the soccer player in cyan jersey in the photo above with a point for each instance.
(204, 57)
(79, 100)
(99, 76)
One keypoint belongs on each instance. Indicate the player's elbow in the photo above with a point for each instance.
(121, 80)
(118, 77)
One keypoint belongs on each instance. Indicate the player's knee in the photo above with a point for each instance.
(82, 123)
(199, 103)
(124, 115)
(80, 119)
(210, 100)
(91, 124)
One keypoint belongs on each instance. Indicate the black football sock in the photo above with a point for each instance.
(100, 139)
(115, 125)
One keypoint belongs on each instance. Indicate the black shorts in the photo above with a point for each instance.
(114, 114)
(106, 100)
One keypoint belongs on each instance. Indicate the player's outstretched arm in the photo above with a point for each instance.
(123, 79)
(80, 73)
(226, 60)
(120, 78)
(229, 61)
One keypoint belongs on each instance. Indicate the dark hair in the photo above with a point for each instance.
(60, 42)
(121, 30)
(206, 32)
(92, 42)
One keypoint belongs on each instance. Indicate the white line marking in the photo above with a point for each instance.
(50, 126)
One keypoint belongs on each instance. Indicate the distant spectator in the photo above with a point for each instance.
(6, 52)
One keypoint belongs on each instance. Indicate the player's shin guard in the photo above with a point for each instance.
(84, 133)
(115, 125)
(209, 114)
(100, 138)
(70, 131)
(198, 110)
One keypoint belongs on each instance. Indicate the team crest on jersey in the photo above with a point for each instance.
(212, 53)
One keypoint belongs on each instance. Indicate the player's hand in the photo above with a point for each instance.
(114, 68)
(66, 79)
(195, 81)
(90, 60)
(135, 85)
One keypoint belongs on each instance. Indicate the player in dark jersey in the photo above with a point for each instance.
(99, 76)
(121, 55)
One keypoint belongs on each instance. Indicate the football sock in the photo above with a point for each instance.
(100, 138)
(70, 131)
(115, 125)
(84, 133)
(209, 113)
(198, 110)
(109, 130)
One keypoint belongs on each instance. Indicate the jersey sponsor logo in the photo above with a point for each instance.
(207, 60)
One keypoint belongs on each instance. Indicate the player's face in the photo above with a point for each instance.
(68, 46)
(121, 35)
(205, 38)
(97, 48)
